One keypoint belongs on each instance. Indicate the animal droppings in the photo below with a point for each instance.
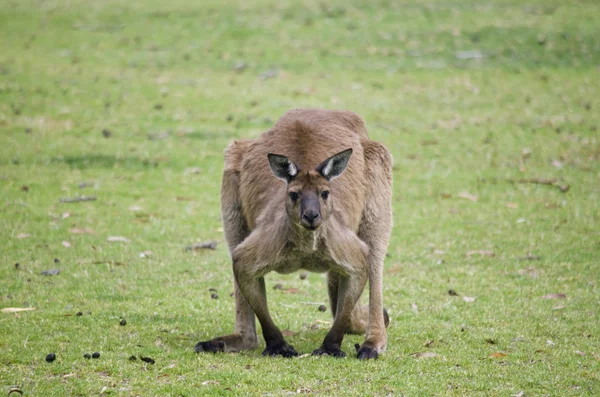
(147, 360)
(51, 357)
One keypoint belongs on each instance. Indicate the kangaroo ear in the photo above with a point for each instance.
(335, 165)
(282, 167)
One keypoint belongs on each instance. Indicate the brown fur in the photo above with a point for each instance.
(263, 231)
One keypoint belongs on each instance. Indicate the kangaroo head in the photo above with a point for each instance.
(308, 200)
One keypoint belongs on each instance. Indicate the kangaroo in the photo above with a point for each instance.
(314, 193)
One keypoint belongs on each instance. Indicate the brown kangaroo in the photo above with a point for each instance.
(330, 212)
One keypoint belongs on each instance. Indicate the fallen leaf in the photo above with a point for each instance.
(481, 252)
(439, 252)
(117, 239)
(519, 394)
(23, 235)
(15, 390)
(66, 244)
(17, 309)
(559, 307)
(468, 196)
(579, 353)
(551, 182)
(469, 54)
(512, 205)
(550, 343)
(85, 230)
(211, 245)
(469, 298)
(65, 215)
(135, 208)
(193, 170)
(425, 355)
(210, 382)
(530, 271)
(554, 296)
(291, 290)
(530, 257)
(428, 343)
(557, 163)
(145, 254)
(287, 332)
(159, 135)
(498, 355)
(77, 199)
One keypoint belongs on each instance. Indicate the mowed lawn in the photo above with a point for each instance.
(491, 110)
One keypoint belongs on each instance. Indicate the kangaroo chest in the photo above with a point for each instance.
(307, 253)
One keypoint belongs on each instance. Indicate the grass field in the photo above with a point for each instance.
(134, 102)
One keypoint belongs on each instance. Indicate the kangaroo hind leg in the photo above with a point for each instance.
(236, 230)
(375, 230)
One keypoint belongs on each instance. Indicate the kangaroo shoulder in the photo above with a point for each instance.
(376, 155)
(234, 155)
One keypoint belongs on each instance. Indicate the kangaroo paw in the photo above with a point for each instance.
(332, 350)
(280, 349)
(366, 352)
(210, 346)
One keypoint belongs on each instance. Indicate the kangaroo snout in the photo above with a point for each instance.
(311, 219)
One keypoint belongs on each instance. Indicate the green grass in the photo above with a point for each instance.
(162, 78)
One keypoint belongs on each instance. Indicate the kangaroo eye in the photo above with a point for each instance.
(325, 194)
(293, 196)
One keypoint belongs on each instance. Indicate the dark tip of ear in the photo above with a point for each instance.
(335, 165)
(282, 167)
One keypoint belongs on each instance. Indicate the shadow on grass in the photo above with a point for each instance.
(211, 135)
(105, 161)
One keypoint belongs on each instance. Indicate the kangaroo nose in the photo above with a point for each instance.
(310, 216)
